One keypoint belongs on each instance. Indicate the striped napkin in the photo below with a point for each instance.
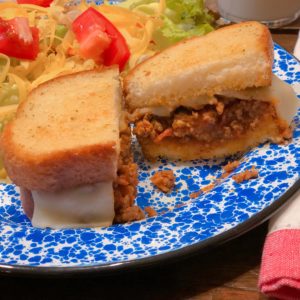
(280, 268)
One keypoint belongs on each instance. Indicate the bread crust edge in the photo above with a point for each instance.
(58, 170)
(267, 48)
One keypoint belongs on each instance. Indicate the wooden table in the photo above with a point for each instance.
(227, 272)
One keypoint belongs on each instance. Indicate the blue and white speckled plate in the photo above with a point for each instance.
(223, 213)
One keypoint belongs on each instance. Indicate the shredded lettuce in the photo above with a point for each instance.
(7, 113)
(184, 19)
(60, 33)
(131, 4)
(8, 94)
(181, 19)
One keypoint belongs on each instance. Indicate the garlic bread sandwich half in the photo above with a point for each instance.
(210, 96)
(68, 149)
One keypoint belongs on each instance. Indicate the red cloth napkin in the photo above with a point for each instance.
(280, 268)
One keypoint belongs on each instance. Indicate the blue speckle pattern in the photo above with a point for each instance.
(177, 225)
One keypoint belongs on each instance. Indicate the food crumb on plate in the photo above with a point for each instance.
(204, 189)
(246, 175)
(195, 194)
(150, 211)
(231, 166)
(228, 168)
(164, 180)
(208, 187)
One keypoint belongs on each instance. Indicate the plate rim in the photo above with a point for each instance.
(109, 268)
(167, 257)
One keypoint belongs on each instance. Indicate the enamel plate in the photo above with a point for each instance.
(183, 224)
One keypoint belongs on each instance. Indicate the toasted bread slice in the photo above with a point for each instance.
(219, 61)
(66, 133)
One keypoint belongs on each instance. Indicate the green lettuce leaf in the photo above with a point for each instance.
(147, 7)
(9, 94)
(184, 19)
(131, 4)
(181, 19)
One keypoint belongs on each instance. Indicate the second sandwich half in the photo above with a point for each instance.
(210, 96)
(68, 150)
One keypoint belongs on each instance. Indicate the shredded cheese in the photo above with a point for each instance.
(5, 63)
(53, 60)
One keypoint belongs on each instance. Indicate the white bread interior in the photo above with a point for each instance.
(66, 133)
(219, 61)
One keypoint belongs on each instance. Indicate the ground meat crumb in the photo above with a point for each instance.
(231, 166)
(164, 180)
(204, 189)
(246, 175)
(150, 211)
(145, 129)
(208, 188)
(180, 205)
(287, 133)
(224, 175)
(125, 183)
(133, 213)
(220, 107)
(195, 194)
(224, 119)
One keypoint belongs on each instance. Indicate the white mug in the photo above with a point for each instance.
(274, 13)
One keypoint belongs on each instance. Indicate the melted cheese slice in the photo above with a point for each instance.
(85, 206)
(279, 93)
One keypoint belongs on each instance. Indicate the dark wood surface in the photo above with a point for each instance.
(227, 272)
(286, 40)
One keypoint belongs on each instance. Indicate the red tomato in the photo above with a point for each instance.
(17, 39)
(44, 3)
(94, 44)
(100, 39)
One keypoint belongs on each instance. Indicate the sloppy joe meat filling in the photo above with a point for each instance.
(226, 119)
(125, 184)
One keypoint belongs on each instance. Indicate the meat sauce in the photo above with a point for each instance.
(227, 119)
(246, 175)
(164, 180)
(125, 184)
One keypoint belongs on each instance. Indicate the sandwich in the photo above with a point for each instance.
(210, 96)
(68, 149)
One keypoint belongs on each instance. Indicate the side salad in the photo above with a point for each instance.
(43, 39)
(180, 19)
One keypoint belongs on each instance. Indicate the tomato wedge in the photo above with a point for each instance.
(17, 39)
(44, 3)
(100, 39)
